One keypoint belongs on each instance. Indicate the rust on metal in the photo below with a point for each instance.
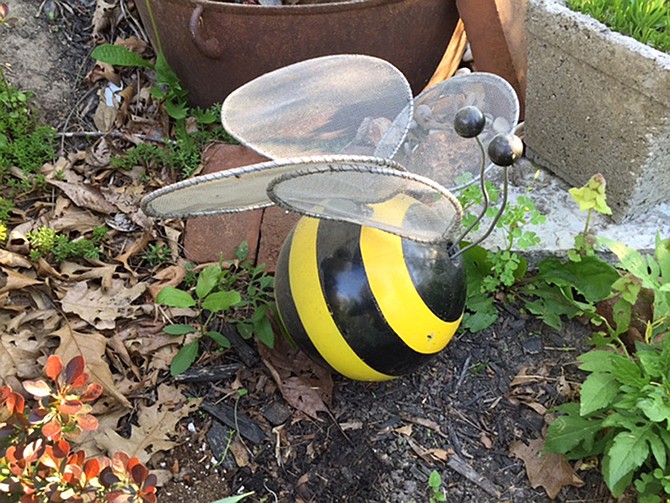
(215, 47)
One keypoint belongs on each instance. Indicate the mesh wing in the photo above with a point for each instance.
(398, 202)
(343, 104)
(238, 189)
(434, 150)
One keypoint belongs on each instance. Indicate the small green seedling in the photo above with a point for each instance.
(435, 484)
(591, 197)
(208, 300)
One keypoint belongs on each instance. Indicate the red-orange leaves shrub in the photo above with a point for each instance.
(64, 408)
(37, 463)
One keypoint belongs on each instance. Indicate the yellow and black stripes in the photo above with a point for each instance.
(371, 305)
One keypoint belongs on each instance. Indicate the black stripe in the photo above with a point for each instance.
(287, 309)
(439, 279)
(353, 307)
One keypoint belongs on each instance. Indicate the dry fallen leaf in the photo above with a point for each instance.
(99, 307)
(11, 259)
(18, 353)
(551, 471)
(85, 196)
(156, 424)
(104, 16)
(303, 384)
(12, 280)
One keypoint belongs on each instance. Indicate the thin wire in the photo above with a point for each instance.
(485, 193)
(495, 220)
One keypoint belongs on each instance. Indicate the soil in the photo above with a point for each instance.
(462, 403)
(458, 416)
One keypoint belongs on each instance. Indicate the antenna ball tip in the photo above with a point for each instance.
(469, 122)
(505, 149)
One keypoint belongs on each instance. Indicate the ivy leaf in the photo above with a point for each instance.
(220, 301)
(598, 391)
(628, 451)
(183, 360)
(174, 297)
(118, 55)
(179, 329)
(482, 313)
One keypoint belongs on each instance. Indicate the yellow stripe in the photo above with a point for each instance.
(392, 287)
(313, 310)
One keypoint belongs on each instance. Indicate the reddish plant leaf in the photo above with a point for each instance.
(87, 422)
(108, 478)
(138, 472)
(70, 407)
(52, 430)
(61, 448)
(92, 393)
(53, 367)
(75, 369)
(14, 402)
(91, 468)
(38, 389)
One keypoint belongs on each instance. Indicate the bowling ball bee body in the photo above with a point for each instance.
(368, 304)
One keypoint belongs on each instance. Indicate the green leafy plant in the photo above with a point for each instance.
(490, 272)
(234, 499)
(46, 242)
(245, 287)
(623, 415)
(37, 462)
(24, 143)
(591, 197)
(209, 299)
(157, 254)
(647, 21)
(435, 485)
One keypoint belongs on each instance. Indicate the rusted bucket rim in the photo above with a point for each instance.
(249, 9)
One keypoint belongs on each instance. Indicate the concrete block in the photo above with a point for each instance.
(207, 239)
(597, 102)
(495, 30)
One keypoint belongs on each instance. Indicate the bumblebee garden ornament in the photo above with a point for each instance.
(370, 283)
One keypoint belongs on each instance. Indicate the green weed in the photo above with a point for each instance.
(435, 485)
(24, 143)
(219, 291)
(624, 416)
(490, 272)
(47, 243)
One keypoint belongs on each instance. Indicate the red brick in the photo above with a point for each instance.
(276, 225)
(207, 239)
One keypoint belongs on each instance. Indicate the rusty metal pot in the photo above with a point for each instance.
(215, 47)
